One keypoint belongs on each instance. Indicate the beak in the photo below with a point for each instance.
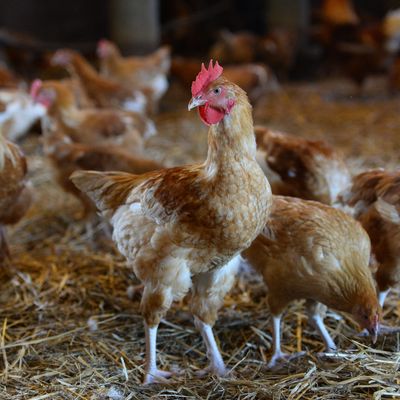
(195, 102)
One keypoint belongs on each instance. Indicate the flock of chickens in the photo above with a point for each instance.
(319, 234)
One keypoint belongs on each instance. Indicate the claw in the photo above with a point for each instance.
(160, 376)
(212, 370)
(280, 358)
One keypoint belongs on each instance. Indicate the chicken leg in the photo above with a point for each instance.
(217, 365)
(153, 374)
(316, 312)
(277, 354)
(208, 292)
(156, 300)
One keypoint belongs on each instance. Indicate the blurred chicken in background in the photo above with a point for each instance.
(89, 125)
(104, 92)
(15, 190)
(353, 48)
(255, 79)
(18, 113)
(309, 169)
(68, 156)
(147, 73)
(278, 49)
(373, 198)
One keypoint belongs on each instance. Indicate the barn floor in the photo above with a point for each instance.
(70, 327)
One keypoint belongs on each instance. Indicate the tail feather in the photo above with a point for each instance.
(108, 190)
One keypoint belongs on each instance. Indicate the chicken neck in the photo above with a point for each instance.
(230, 142)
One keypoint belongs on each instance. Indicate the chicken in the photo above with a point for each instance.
(90, 125)
(312, 251)
(309, 169)
(81, 98)
(356, 50)
(15, 190)
(67, 157)
(104, 92)
(374, 200)
(236, 48)
(147, 73)
(255, 79)
(185, 227)
(277, 49)
(19, 113)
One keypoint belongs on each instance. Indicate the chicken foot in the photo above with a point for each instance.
(278, 355)
(314, 311)
(152, 373)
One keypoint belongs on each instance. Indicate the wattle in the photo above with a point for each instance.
(209, 115)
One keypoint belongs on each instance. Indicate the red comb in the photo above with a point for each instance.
(35, 87)
(206, 76)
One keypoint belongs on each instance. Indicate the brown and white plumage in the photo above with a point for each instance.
(374, 200)
(104, 92)
(312, 251)
(184, 227)
(89, 125)
(68, 156)
(298, 167)
(18, 113)
(147, 73)
(15, 192)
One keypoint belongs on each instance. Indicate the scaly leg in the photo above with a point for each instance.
(277, 354)
(208, 292)
(153, 374)
(316, 320)
(217, 365)
(157, 297)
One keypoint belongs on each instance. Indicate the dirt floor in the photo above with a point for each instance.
(70, 326)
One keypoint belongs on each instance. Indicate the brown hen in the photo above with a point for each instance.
(104, 92)
(15, 190)
(312, 251)
(185, 227)
(309, 169)
(147, 73)
(89, 125)
(374, 200)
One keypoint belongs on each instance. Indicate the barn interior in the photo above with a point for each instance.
(71, 326)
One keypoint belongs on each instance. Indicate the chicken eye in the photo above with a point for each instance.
(217, 90)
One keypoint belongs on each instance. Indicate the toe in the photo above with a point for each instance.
(159, 376)
(212, 370)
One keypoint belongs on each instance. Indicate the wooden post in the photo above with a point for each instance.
(134, 24)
